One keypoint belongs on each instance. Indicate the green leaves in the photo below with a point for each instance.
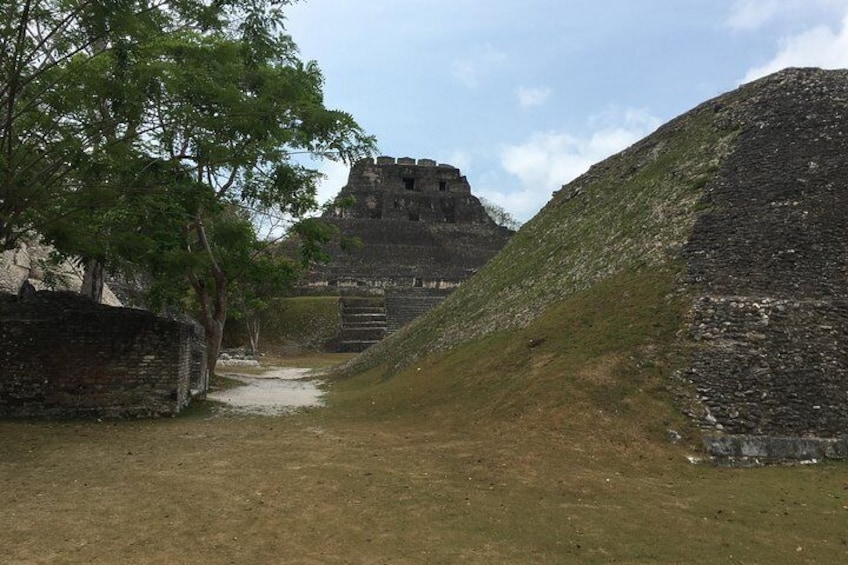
(141, 133)
(218, 85)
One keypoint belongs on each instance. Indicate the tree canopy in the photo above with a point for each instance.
(133, 131)
(499, 215)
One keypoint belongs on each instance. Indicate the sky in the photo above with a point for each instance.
(525, 95)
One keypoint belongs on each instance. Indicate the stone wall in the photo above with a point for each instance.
(64, 356)
(409, 254)
(773, 366)
(769, 259)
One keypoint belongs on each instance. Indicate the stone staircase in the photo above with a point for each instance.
(363, 322)
(405, 304)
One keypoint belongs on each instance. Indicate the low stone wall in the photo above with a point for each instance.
(754, 449)
(61, 355)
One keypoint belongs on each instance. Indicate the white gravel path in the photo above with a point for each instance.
(273, 392)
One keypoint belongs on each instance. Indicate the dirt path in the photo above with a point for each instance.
(273, 392)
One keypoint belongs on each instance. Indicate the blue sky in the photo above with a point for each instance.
(524, 95)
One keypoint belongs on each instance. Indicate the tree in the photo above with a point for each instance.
(268, 274)
(51, 130)
(256, 269)
(499, 215)
(231, 108)
(136, 127)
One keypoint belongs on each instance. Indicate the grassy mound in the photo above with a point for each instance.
(575, 368)
(571, 329)
(632, 212)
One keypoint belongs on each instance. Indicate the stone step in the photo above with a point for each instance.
(364, 318)
(356, 346)
(363, 310)
(374, 312)
(365, 324)
(350, 302)
(362, 334)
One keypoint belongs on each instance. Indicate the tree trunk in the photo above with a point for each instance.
(253, 333)
(214, 318)
(214, 331)
(214, 308)
(92, 280)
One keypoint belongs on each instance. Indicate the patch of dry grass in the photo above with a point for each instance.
(540, 445)
(522, 448)
(310, 488)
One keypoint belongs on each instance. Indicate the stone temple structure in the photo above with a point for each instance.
(422, 234)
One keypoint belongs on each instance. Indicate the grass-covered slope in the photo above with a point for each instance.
(628, 214)
(586, 374)
(572, 328)
(626, 218)
(590, 306)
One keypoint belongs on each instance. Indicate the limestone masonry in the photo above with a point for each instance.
(31, 263)
(419, 224)
(423, 233)
(62, 355)
(768, 258)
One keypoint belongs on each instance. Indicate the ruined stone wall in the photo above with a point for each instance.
(64, 356)
(388, 173)
(419, 225)
(769, 257)
(410, 191)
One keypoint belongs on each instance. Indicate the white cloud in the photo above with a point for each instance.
(528, 97)
(521, 204)
(471, 69)
(753, 14)
(461, 160)
(820, 46)
(748, 15)
(547, 160)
